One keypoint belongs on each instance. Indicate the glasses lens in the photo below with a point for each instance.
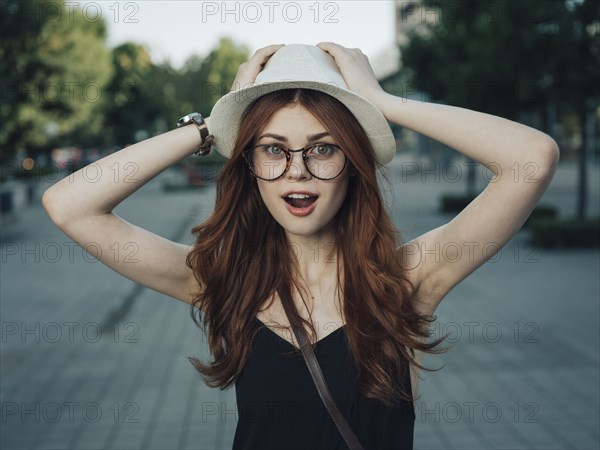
(267, 161)
(325, 161)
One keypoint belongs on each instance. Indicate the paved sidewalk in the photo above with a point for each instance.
(524, 368)
(523, 372)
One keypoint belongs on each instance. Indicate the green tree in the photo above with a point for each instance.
(133, 107)
(145, 99)
(577, 76)
(54, 69)
(506, 57)
(163, 84)
(204, 80)
(498, 56)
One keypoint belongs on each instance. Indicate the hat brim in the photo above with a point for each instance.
(225, 117)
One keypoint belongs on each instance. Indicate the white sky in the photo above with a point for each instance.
(173, 30)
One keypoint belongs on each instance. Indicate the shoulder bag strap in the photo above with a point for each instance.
(315, 370)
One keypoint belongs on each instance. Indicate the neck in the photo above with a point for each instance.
(314, 257)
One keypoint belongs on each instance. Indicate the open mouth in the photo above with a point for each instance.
(300, 201)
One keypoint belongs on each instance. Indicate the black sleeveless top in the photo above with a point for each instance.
(279, 406)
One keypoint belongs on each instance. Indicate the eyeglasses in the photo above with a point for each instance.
(271, 161)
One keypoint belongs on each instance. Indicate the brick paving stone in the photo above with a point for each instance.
(542, 372)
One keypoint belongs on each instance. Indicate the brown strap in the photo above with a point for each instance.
(315, 370)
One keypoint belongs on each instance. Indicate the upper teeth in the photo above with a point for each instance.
(298, 196)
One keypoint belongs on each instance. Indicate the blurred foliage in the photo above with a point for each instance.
(566, 233)
(54, 66)
(506, 56)
(146, 99)
(62, 86)
(204, 81)
(132, 109)
(541, 211)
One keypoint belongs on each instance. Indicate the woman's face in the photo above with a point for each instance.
(294, 127)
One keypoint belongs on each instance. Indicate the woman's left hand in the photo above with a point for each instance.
(356, 70)
(248, 71)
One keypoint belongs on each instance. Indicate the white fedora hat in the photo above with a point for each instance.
(299, 66)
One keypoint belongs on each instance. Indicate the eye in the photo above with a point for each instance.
(323, 150)
(274, 149)
(271, 149)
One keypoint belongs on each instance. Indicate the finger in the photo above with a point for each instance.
(260, 58)
(262, 55)
(249, 70)
(338, 52)
(331, 47)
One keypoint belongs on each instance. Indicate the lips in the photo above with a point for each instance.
(300, 199)
(300, 203)
(311, 194)
(303, 210)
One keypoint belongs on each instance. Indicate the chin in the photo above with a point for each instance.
(304, 232)
(306, 227)
(299, 227)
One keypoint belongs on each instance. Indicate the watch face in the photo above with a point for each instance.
(197, 118)
(189, 118)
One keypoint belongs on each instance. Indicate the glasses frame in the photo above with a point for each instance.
(288, 156)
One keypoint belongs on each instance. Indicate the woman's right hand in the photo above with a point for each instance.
(247, 72)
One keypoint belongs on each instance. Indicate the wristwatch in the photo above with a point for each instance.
(197, 119)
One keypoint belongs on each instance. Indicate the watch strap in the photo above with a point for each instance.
(206, 139)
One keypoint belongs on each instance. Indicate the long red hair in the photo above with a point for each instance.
(242, 257)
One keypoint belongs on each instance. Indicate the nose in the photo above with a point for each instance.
(297, 169)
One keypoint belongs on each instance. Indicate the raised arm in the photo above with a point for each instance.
(522, 159)
(82, 209)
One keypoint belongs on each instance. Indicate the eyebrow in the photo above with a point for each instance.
(310, 138)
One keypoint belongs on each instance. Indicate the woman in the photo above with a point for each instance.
(300, 237)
